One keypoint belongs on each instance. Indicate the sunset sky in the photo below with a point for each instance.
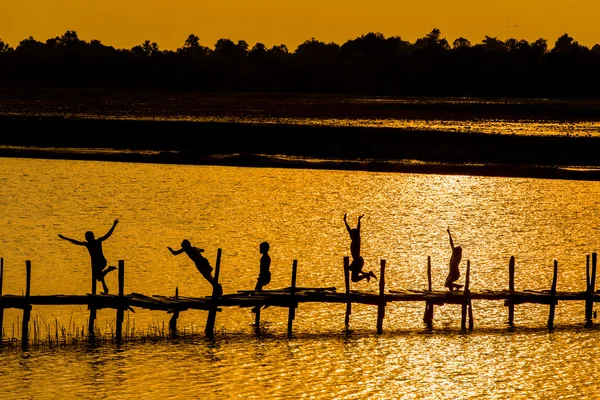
(126, 23)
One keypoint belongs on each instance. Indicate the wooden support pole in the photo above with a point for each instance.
(465, 303)
(429, 285)
(292, 311)
(591, 287)
(468, 294)
(347, 283)
(587, 272)
(1, 308)
(92, 308)
(212, 313)
(428, 315)
(382, 302)
(588, 291)
(173, 320)
(594, 261)
(257, 317)
(553, 297)
(27, 308)
(121, 309)
(511, 288)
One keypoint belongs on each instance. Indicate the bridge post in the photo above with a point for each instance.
(27, 308)
(428, 316)
(212, 313)
(382, 302)
(292, 310)
(347, 284)
(121, 309)
(553, 297)
(511, 288)
(173, 320)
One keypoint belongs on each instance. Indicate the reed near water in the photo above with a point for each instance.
(289, 297)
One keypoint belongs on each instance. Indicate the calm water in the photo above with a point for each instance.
(522, 117)
(300, 212)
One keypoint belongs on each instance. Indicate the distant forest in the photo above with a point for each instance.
(370, 64)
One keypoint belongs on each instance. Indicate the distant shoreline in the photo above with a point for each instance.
(265, 161)
(281, 146)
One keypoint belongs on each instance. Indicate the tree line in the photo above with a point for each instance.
(370, 64)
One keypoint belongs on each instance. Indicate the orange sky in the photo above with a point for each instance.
(126, 23)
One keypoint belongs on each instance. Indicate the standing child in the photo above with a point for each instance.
(264, 276)
(454, 272)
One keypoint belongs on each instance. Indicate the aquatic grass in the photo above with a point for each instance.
(51, 335)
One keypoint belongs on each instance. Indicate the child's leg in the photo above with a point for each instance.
(448, 283)
(107, 270)
(358, 276)
(208, 277)
(216, 286)
(104, 287)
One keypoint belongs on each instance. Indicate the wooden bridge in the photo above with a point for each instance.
(291, 297)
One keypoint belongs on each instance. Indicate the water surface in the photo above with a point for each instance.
(522, 117)
(300, 212)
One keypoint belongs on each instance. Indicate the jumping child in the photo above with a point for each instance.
(454, 272)
(357, 261)
(202, 264)
(94, 247)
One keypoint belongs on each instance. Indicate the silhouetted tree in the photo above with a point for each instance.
(540, 46)
(192, 42)
(190, 69)
(373, 63)
(258, 50)
(565, 44)
(316, 66)
(432, 42)
(4, 47)
(146, 49)
(369, 64)
(280, 54)
(228, 64)
(460, 43)
(29, 59)
(492, 44)
(431, 52)
(4, 72)
(193, 49)
(568, 68)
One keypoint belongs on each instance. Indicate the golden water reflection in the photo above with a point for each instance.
(300, 213)
(522, 127)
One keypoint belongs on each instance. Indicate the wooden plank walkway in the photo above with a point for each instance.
(284, 298)
(290, 297)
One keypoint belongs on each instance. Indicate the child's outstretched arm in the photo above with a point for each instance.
(175, 252)
(347, 226)
(110, 231)
(450, 235)
(358, 223)
(77, 242)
